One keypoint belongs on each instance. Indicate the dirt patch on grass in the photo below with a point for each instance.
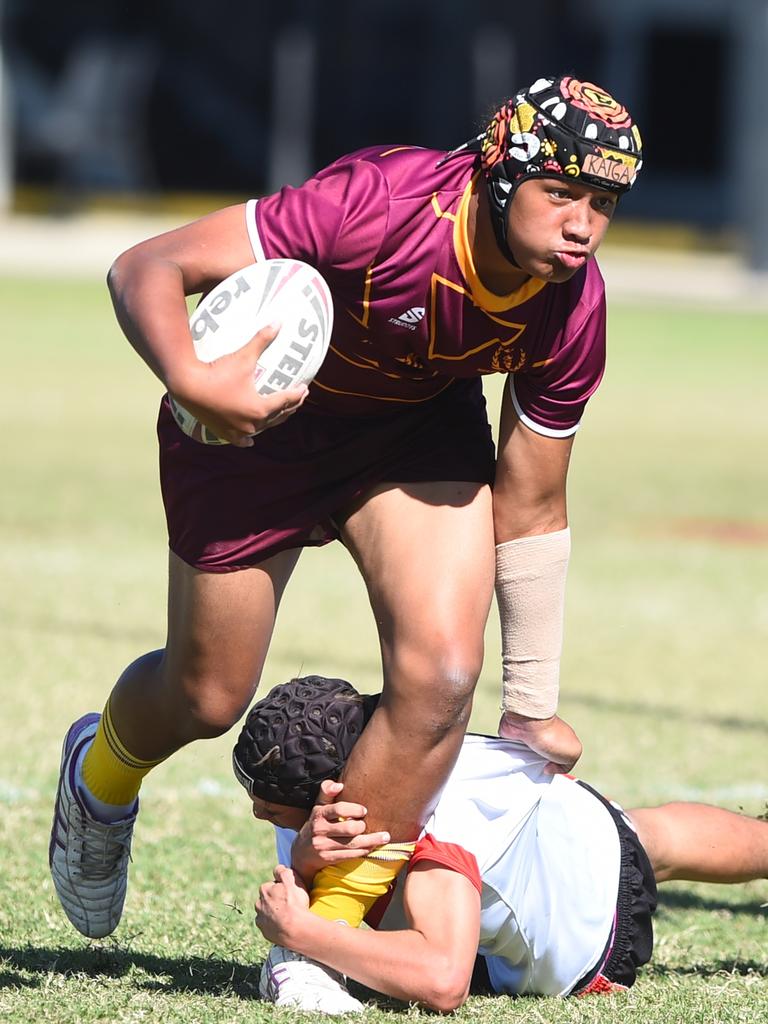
(721, 531)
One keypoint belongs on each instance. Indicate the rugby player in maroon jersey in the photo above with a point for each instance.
(443, 267)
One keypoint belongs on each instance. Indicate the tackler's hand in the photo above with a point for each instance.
(551, 737)
(280, 907)
(335, 831)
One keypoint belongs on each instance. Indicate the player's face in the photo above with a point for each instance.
(555, 226)
(279, 814)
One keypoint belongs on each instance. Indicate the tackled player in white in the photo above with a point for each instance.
(523, 882)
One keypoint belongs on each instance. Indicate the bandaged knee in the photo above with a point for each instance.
(346, 891)
(530, 592)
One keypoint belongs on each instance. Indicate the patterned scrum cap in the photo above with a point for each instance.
(301, 733)
(558, 127)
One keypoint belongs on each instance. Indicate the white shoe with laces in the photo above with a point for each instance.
(289, 979)
(88, 858)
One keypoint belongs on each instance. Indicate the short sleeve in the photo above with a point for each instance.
(335, 221)
(550, 398)
(433, 851)
(447, 855)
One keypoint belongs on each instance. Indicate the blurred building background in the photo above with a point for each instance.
(153, 99)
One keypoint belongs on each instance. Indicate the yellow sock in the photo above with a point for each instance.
(111, 773)
(347, 891)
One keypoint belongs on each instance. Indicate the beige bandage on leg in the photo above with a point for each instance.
(530, 591)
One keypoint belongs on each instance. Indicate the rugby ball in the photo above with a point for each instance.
(282, 291)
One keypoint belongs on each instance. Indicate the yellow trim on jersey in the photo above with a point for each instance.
(367, 364)
(380, 398)
(367, 294)
(542, 362)
(396, 149)
(355, 318)
(439, 213)
(366, 300)
(485, 299)
(437, 280)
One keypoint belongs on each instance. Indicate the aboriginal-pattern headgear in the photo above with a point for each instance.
(561, 128)
(301, 733)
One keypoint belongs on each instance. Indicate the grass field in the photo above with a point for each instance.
(664, 675)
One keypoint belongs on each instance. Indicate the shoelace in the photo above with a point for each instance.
(101, 846)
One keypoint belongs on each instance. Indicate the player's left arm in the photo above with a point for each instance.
(533, 547)
(430, 962)
(531, 476)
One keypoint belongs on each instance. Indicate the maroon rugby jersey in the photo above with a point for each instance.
(388, 231)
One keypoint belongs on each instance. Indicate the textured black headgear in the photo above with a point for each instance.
(556, 128)
(301, 733)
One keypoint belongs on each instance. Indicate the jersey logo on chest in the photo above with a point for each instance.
(460, 330)
(410, 318)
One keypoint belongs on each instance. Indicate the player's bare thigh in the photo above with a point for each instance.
(426, 552)
(219, 629)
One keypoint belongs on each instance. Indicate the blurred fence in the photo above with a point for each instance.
(240, 97)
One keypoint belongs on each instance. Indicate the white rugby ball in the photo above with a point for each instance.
(282, 291)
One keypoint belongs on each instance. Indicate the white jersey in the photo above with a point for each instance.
(548, 857)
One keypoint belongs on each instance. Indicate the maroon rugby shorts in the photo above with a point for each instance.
(230, 508)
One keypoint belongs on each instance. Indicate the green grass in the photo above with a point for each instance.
(664, 673)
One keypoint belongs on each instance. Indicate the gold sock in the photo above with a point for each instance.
(347, 891)
(111, 773)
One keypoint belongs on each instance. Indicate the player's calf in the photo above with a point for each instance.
(700, 843)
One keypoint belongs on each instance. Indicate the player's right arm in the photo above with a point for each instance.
(149, 284)
(429, 962)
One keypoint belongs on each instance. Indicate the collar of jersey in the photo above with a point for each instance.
(484, 298)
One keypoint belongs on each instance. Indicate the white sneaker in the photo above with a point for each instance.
(289, 979)
(88, 859)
